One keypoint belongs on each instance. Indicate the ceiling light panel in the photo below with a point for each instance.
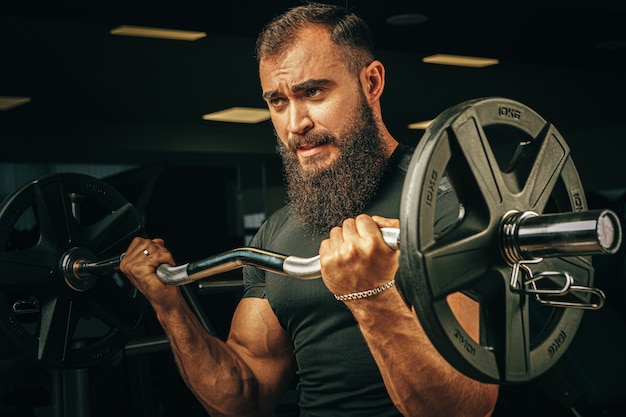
(239, 115)
(460, 60)
(148, 32)
(9, 102)
(420, 125)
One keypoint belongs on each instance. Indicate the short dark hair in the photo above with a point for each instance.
(345, 28)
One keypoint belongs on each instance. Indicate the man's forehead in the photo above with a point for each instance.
(311, 43)
(299, 67)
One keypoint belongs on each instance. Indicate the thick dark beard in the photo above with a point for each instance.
(323, 198)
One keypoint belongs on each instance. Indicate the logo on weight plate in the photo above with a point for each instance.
(556, 344)
(509, 113)
(15, 327)
(100, 353)
(431, 190)
(578, 201)
(469, 348)
(95, 188)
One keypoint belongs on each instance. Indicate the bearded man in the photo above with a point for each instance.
(349, 337)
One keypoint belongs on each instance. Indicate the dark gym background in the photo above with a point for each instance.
(129, 111)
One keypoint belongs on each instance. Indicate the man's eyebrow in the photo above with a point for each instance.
(309, 84)
(268, 95)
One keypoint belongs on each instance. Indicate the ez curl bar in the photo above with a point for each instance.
(523, 232)
(525, 238)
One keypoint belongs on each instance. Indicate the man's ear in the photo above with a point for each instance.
(373, 81)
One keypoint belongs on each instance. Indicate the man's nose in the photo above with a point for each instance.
(300, 121)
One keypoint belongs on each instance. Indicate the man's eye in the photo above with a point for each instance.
(312, 92)
(276, 101)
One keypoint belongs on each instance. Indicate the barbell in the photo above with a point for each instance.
(521, 245)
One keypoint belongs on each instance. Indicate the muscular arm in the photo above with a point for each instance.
(419, 380)
(247, 374)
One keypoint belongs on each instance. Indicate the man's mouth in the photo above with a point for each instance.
(307, 151)
(311, 145)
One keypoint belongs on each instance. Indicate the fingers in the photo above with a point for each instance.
(139, 264)
(355, 256)
(386, 222)
(367, 227)
(153, 249)
(361, 227)
(157, 253)
(358, 237)
(143, 256)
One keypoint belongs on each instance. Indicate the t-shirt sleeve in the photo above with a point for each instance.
(254, 278)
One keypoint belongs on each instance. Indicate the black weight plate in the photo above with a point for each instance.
(42, 316)
(499, 155)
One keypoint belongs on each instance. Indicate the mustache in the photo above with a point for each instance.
(310, 140)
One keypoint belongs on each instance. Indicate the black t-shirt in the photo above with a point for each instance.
(337, 373)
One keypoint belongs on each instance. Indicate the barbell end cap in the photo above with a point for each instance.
(609, 231)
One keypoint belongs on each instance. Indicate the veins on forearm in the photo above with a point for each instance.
(213, 372)
(419, 380)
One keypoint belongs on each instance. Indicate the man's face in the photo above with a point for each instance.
(310, 92)
(329, 141)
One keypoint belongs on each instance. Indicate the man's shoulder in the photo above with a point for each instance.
(401, 157)
(272, 225)
(279, 216)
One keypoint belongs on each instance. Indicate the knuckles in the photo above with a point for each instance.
(138, 241)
